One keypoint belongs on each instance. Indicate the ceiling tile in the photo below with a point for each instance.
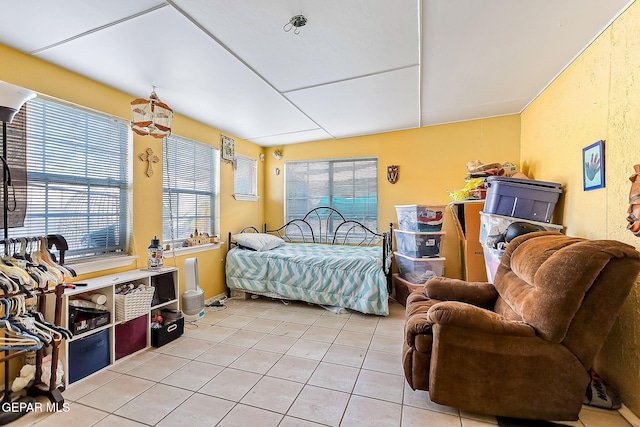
(291, 138)
(495, 56)
(472, 112)
(372, 104)
(357, 67)
(29, 25)
(192, 73)
(342, 39)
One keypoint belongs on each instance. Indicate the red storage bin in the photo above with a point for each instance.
(131, 336)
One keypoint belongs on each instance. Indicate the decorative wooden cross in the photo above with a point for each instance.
(150, 158)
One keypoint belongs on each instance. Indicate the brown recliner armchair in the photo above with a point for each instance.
(523, 346)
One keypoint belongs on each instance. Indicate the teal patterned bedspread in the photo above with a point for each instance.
(344, 276)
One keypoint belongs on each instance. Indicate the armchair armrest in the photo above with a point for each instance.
(445, 289)
(462, 315)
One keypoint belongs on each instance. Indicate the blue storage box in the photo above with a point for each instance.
(522, 198)
(88, 355)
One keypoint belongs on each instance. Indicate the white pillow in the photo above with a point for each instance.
(258, 241)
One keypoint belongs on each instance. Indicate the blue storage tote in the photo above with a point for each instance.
(88, 355)
(522, 198)
(420, 217)
(419, 244)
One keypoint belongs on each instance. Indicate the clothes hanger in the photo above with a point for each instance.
(14, 339)
(49, 259)
(39, 318)
(27, 326)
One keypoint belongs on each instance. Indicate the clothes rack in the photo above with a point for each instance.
(52, 392)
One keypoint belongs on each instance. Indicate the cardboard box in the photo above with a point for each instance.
(86, 319)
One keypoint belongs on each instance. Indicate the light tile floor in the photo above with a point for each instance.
(261, 363)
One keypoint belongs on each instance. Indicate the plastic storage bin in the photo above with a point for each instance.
(419, 244)
(492, 259)
(88, 355)
(420, 217)
(418, 270)
(522, 198)
(494, 225)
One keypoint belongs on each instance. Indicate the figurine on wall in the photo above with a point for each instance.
(633, 216)
(392, 173)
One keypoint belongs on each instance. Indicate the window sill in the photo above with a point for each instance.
(192, 249)
(246, 197)
(103, 263)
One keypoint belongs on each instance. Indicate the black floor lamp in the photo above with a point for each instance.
(12, 98)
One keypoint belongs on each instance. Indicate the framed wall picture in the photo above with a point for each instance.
(227, 148)
(593, 166)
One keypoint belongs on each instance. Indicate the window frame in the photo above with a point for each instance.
(332, 161)
(177, 241)
(239, 160)
(45, 137)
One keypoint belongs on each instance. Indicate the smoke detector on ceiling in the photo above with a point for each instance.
(295, 22)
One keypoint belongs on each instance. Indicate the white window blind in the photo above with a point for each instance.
(189, 188)
(77, 169)
(245, 178)
(347, 185)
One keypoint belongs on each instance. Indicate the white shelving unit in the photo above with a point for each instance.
(105, 285)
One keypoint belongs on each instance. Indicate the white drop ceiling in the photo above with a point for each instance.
(358, 67)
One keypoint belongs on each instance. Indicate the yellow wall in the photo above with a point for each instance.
(44, 78)
(597, 97)
(432, 160)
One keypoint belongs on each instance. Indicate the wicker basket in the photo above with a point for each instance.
(134, 305)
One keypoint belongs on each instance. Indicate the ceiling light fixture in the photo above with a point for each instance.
(151, 116)
(295, 22)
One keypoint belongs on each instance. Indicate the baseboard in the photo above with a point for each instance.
(629, 416)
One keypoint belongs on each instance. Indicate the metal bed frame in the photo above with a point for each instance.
(345, 232)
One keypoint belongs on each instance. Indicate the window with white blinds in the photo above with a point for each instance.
(189, 188)
(245, 178)
(77, 170)
(347, 185)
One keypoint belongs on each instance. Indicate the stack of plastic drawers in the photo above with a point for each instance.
(512, 200)
(419, 241)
